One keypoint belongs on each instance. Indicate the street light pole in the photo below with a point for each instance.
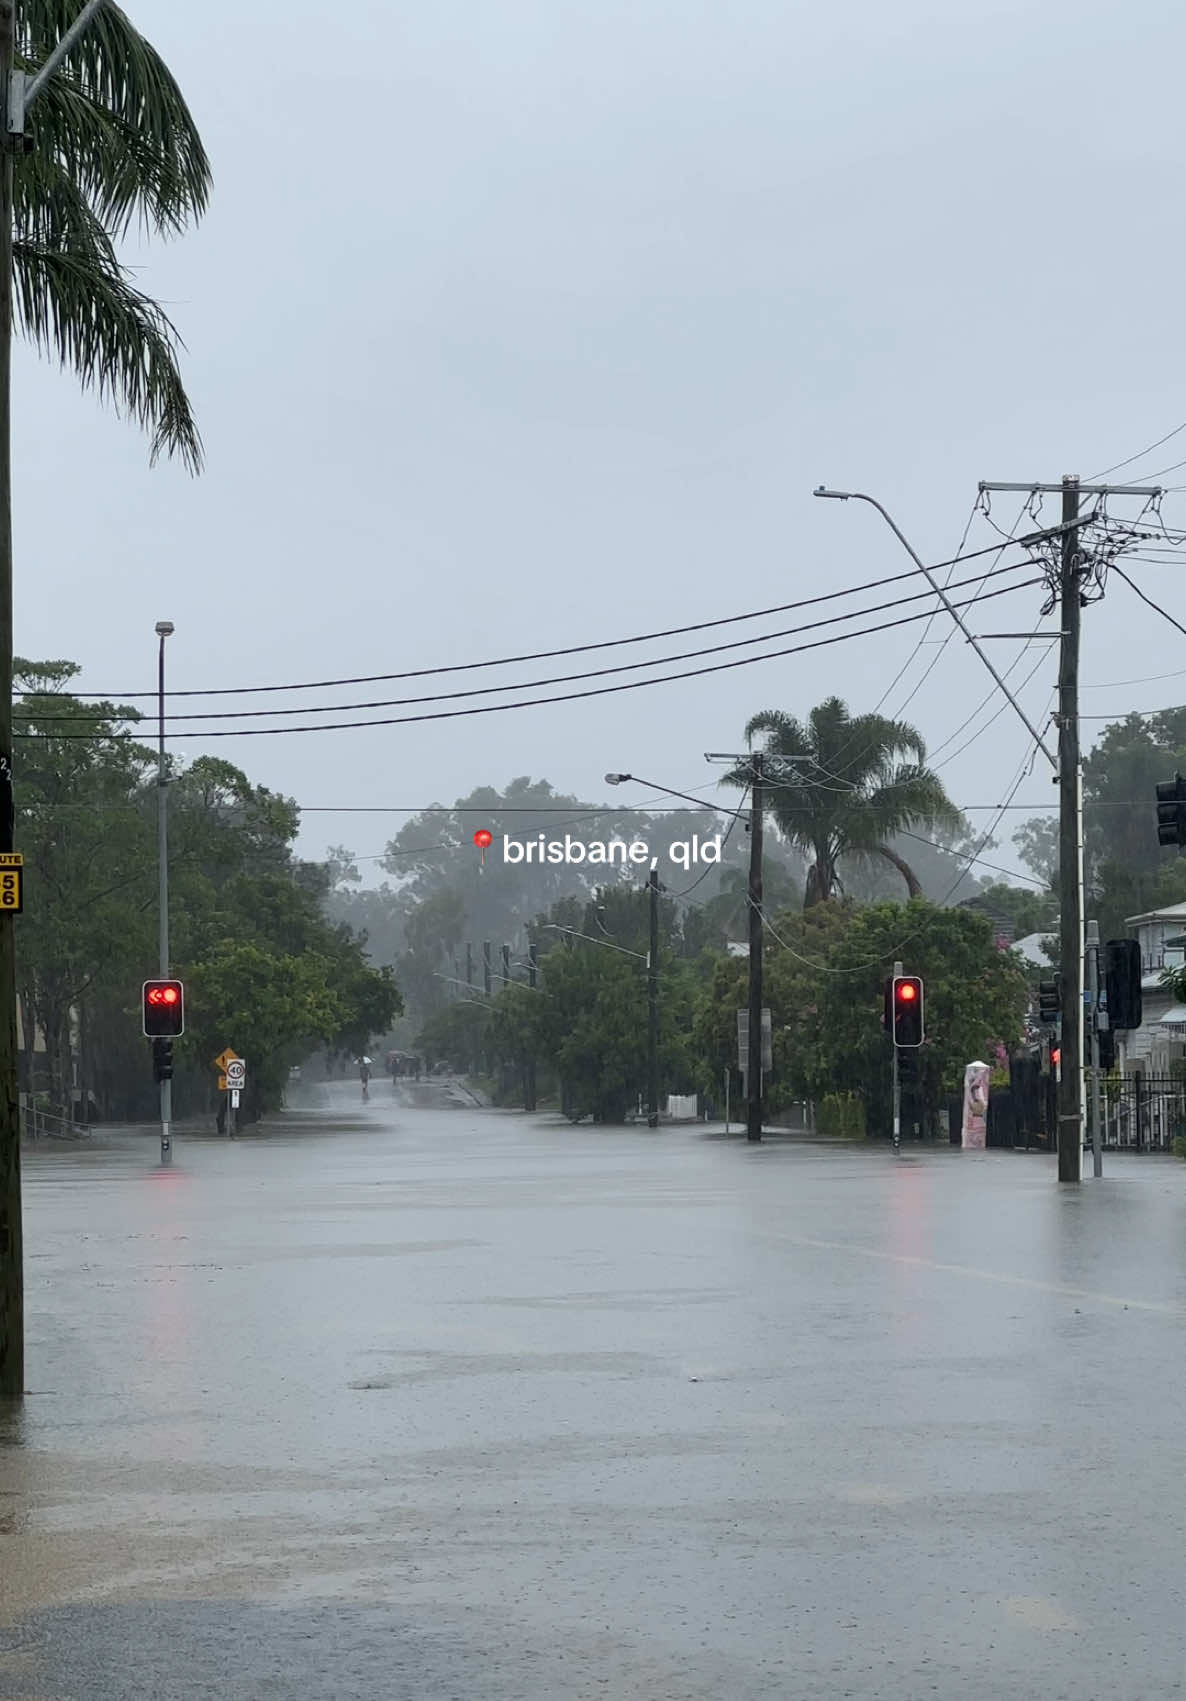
(164, 629)
(753, 1131)
(653, 1004)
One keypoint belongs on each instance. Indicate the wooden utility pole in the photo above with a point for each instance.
(754, 1049)
(12, 1307)
(1070, 582)
(1070, 849)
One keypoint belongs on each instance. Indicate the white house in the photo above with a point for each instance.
(1161, 1038)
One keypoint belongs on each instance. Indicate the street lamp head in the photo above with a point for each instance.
(616, 779)
(164, 628)
(837, 495)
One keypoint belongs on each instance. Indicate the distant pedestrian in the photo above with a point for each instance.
(364, 1075)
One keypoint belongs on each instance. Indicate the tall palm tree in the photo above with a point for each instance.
(113, 144)
(843, 785)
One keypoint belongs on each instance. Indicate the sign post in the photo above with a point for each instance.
(232, 1078)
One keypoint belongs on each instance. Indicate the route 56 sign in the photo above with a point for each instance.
(12, 883)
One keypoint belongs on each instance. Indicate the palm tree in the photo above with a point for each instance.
(113, 144)
(842, 786)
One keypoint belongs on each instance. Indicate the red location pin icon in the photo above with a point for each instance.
(483, 838)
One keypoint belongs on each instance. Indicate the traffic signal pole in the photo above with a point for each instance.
(897, 1079)
(164, 628)
(1093, 996)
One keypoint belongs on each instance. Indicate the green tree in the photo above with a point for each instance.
(86, 836)
(976, 998)
(844, 786)
(114, 145)
(824, 983)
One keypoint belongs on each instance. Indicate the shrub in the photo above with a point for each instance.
(841, 1114)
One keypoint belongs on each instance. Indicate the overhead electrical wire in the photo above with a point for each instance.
(536, 684)
(1156, 606)
(1140, 455)
(537, 702)
(567, 650)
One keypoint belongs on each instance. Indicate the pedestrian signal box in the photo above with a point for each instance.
(164, 1009)
(908, 1020)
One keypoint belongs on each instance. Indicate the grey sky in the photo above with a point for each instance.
(524, 324)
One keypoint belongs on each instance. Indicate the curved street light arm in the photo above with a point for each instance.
(860, 496)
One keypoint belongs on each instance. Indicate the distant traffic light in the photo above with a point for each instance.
(1049, 1002)
(1122, 981)
(164, 1009)
(907, 1003)
(1171, 811)
(162, 1060)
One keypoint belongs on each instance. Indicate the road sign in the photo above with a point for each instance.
(234, 1098)
(12, 883)
(236, 1074)
(222, 1083)
(225, 1057)
(743, 1040)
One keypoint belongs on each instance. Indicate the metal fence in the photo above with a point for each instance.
(40, 1124)
(1141, 1113)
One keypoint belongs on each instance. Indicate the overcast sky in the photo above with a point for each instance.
(523, 324)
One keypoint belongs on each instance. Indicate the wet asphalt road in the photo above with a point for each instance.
(424, 1402)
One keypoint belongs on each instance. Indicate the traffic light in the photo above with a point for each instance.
(908, 1024)
(162, 1060)
(1048, 1002)
(1107, 1045)
(164, 1009)
(1171, 811)
(1122, 981)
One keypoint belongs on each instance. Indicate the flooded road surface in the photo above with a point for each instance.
(412, 1400)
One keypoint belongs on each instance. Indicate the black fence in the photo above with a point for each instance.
(1138, 1113)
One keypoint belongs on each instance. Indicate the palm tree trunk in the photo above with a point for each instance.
(903, 868)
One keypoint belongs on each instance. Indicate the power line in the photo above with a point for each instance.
(1146, 599)
(535, 684)
(538, 702)
(1139, 456)
(549, 655)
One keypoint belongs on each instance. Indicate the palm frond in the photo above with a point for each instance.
(120, 342)
(117, 114)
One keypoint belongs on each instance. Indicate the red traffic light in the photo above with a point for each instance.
(908, 1023)
(164, 1009)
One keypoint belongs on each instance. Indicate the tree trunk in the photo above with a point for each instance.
(821, 880)
(903, 868)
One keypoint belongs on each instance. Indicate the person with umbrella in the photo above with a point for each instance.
(364, 1075)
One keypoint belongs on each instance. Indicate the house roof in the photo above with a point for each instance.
(1171, 912)
(1031, 949)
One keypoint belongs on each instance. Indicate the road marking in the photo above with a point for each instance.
(1162, 1307)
